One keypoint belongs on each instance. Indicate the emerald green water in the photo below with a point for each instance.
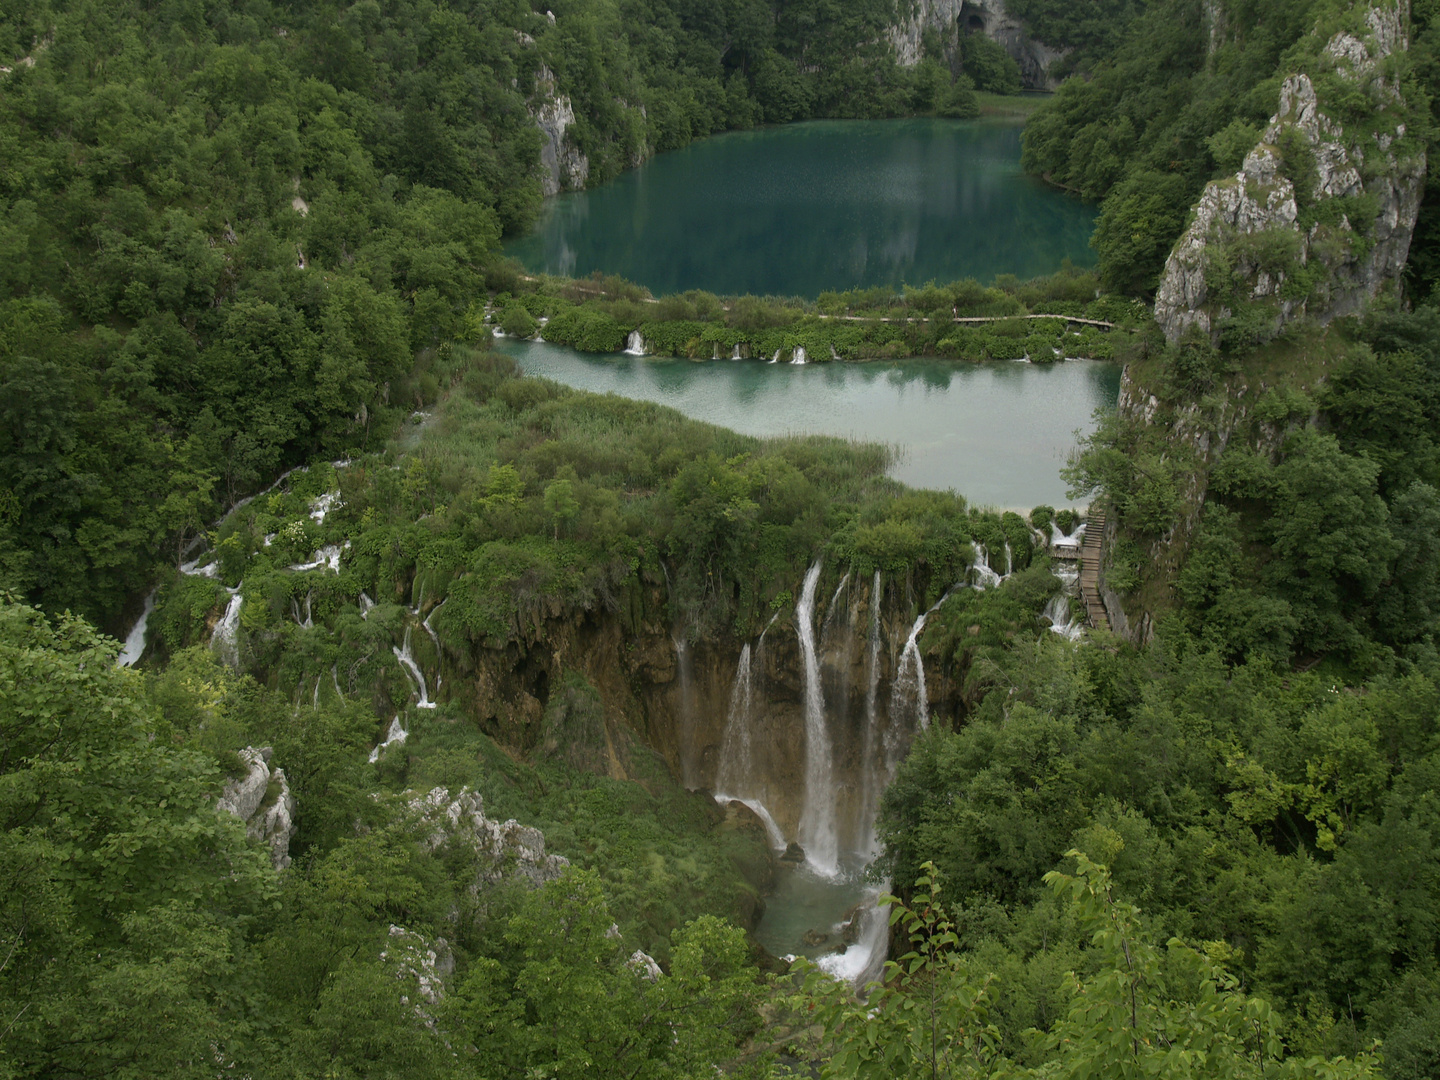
(997, 433)
(805, 208)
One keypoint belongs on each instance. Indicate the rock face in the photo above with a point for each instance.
(566, 168)
(953, 18)
(262, 800)
(503, 850)
(421, 967)
(1249, 242)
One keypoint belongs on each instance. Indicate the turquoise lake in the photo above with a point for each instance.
(826, 205)
(996, 433)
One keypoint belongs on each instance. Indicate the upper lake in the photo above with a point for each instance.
(826, 205)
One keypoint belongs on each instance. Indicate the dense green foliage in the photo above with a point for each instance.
(963, 320)
(233, 232)
(1181, 101)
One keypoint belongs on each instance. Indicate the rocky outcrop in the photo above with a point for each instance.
(1249, 244)
(262, 800)
(951, 19)
(566, 168)
(420, 966)
(502, 850)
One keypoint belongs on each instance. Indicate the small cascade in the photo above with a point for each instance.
(776, 358)
(1062, 621)
(396, 734)
(327, 557)
(873, 775)
(736, 768)
(634, 344)
(226, 638)
(366, 604)
(687, 712)
(798, 356)
(735, 765)
(817, 818)
(834, 607)
(335, 678)
(322, 505)
(1009, 562)
(909, 684)
(407, 659)
(736, 354)
(431, 631)
(862, 962)
(985, 578)
(315, 702)
(306, 622)
(194, 569)
(135, 640)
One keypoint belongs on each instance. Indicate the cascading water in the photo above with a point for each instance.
(225, 640)
(687, 712)
(873, 780)
(135, 640)
(1062, 621)
(407, 659)
(907, 692)
(733, 782)
(817, 818)
(365, 605)
(431, 631)
(635, 344)
(985, 578)
(798, 356)
(776, 358)
(396, 734)
(736, 354)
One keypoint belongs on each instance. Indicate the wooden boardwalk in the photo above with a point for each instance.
(1090, 555)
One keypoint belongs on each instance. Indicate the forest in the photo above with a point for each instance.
(249, 282)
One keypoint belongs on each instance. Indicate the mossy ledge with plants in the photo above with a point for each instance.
(1062, 316)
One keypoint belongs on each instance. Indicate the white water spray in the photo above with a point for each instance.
(226, 639)
(407, 659)
(817, 818)
(135, 640)
(634, 344)
(396, 734)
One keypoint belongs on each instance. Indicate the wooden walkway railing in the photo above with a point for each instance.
(1090, 555)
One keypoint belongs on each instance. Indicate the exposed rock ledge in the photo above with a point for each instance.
(1261, 198)
(267, 811)
(566, 168)
(503, 850)
(952, 18)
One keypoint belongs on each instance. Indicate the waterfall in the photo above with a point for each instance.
(225, 639)
(687, 712)
(873, 774)
(776, 358)
(430, 630)
(735, 766)
(909, 684)
(1061, 620)
(985, 578)
(365, 605)
(834, 607)
(736, 354)
(135, 640)
(635, 344)
(862, 962)
(194, 569)
(396, 734)
(405, 657)
(798, 356)
(817, 818)
(306, 622)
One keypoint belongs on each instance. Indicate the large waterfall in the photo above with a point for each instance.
(817, 819)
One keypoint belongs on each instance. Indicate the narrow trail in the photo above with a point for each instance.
(1090, 555)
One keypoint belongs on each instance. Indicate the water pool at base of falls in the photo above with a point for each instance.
(806, 903)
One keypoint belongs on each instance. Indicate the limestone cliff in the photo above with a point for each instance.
(1318, 220)
(952, 18)
(500, 850)
(262, 800)
(1316, 225)
(565, 167)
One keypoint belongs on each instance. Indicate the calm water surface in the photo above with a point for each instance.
(804, 208)
(996, 433)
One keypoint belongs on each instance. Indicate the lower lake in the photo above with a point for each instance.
(996, 433)
(826, 205)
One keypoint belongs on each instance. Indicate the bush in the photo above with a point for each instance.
(518, 322)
